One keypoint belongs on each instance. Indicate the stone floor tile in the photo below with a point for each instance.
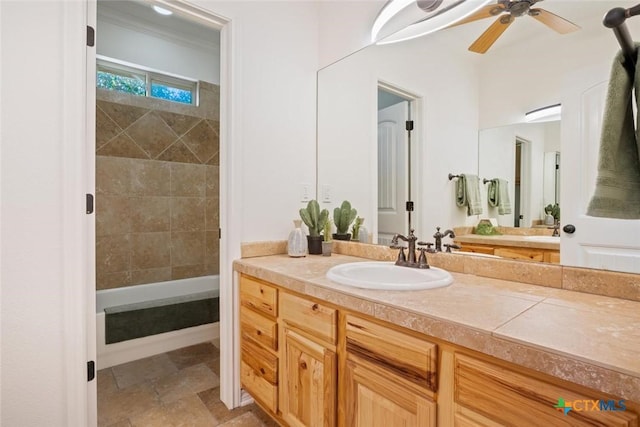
(211, 398)
(106, 382)
(193, 355)
(247, 419)
(121, 405)
(147, 369)
(123, 423)
(185, 412)
(187, 381)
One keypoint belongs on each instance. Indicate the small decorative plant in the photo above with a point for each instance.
(314, 218)
(326, 231)
(553, 210)
(355, 230)
(342, 218)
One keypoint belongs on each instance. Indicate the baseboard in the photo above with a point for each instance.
(139, 348)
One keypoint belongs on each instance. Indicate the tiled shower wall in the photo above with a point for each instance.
(157, 188)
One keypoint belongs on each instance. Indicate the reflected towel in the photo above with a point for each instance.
(468, 194)
(617, 193)
(498, 195)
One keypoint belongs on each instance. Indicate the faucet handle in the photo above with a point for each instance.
(450, 246)
(422, 260)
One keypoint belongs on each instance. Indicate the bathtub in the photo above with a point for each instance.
(114, 354)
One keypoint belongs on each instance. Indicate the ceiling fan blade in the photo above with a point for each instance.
(553, 21)
(489, 37)
(486, 12)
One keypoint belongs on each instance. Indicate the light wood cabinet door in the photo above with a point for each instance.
(374, 400)
(309, 380)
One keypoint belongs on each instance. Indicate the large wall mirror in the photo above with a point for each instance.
(465, 107)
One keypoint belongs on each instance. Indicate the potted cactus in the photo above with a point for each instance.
(342, 218)
(315, 220)
(327, 244)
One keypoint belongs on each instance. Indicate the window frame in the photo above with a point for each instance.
(123, 68)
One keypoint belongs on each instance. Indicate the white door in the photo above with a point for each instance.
(603, 243)
(392, 171)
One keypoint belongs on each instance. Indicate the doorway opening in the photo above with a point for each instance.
(396, 109)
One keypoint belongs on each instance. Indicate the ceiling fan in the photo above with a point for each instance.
(511, 11)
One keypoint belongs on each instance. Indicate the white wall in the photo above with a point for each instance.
(117, 39)
(444, 141)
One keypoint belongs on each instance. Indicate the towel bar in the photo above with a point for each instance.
(451, 176)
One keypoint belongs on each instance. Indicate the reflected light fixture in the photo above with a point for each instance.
(545, 114)
(401, 20)
(162, 10)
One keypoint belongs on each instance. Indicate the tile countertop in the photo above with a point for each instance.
(508, 240)
(586, 339)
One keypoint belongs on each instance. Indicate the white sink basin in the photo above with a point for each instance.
(546, 239)
(388, 276)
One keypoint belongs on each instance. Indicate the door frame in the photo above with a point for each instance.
(230, 204)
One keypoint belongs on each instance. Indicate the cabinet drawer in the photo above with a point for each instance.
(263, 362)
(485, 388)
(258, 328)
(520, 253)
(411, 358)
(259, 296)
(309, 316)
(261, 389)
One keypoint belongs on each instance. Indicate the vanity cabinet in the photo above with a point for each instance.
(389, 378)
(514, 252)
(309, 363)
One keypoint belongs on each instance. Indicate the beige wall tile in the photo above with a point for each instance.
(210, 100)
(122, 146)
(150, 250)
(113, 280)
(213, 181)
(179, 123)
(185, 271)
(113, 253)
(149, 214)
(178, 152)
(150, 178)
(113, 175)
(256, 249)
(152, 275)
(519, 271)
(188, 179)
(113, 215)
(215, 160)
(123, 115)
(601, 282)
(187, 248)
(106, 129)
(187, 214)
(152, 134)
(212, 214)
(201, 141)
(212, 252)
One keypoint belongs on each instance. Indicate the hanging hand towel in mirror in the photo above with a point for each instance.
(498, 195)
(468, 194)
(617, 193)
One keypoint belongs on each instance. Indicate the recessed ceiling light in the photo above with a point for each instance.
(162, 10)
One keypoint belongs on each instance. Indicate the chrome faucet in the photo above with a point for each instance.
(411, 239)
(438, 236)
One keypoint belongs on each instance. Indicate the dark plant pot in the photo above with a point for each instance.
(337, 236)
(315, 244)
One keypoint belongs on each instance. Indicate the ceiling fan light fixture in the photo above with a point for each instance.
(442, 14)
(544, 114)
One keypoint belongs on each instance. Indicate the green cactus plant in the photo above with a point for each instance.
(314, 218)
(343, 217)
(355, 230)
(327, 230)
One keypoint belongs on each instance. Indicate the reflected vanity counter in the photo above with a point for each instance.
(542, 248)
(540, 328)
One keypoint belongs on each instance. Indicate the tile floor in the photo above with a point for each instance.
(178, 388)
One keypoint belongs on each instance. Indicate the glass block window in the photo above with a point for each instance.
(142, 82)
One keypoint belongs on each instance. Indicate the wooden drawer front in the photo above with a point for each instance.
(258, 328)
(476, 249)
(309, 316)
(509, 398)
(263, 362)
(258, 296)
(409, 357)
(261, 389)
(552, 257)
(520, 253)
